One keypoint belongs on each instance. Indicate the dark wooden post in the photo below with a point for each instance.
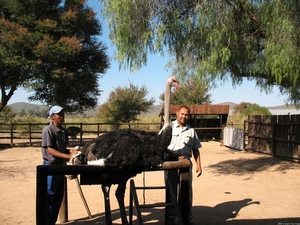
(30, 134)
(41, 195)
(245, 134)
(273, 138)
(11, 134)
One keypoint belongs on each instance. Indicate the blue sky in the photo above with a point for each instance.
(154, 76)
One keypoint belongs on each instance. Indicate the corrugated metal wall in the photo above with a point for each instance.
(233, 138)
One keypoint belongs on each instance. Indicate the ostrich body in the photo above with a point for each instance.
(73, 132)
(128, 148)
(132, 150)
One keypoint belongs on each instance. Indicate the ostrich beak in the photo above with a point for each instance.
(176, 84)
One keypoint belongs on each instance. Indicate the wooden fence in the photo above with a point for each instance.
(31, 133)
(277, 135)
(24, 134)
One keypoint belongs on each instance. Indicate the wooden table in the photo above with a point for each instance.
(99, 175)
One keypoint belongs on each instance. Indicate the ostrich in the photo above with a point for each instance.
(132, 149)
(171, 81)
(73, 132)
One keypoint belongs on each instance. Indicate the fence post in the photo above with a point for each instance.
(273, 139)
(11, 134)
(30, 134)
(244, 138)
(222, 134)
(136, 125)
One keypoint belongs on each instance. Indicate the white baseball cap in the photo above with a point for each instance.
(55, 109)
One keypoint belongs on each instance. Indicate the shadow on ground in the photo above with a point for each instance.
(244, 166)
(225, 213)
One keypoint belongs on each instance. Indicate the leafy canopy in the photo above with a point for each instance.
(223, 40)
(247, 108)
(191, 91)
(7, 115)
(124, 104)
(51, 49)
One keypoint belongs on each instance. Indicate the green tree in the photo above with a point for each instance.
(240, 107)
(192, 91)
(23, 113)
(124, 104)
(42, 113)
(247, 108)
(7, 114)
(31, 112)
(51, 49)
(224, 40)
(243, 110)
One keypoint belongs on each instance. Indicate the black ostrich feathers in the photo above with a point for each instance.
(129, 148)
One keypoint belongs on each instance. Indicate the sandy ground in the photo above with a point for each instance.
(236, 188)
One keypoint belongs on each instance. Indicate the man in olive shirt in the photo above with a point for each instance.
(184, 144)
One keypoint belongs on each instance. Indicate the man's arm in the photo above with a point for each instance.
(196, 154)
(58, 154)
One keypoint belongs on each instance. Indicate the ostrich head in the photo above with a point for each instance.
(171, 81)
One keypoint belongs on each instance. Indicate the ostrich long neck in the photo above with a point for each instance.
(167, 120)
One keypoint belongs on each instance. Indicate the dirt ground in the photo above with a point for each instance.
(236, 187)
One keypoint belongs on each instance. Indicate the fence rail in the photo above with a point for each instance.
(17, 133)
(274, 135)
(31, 133)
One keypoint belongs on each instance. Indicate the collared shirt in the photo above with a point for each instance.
(56, 138)
(184, 140)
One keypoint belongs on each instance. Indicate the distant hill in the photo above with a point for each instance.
(19, 106)
(154, 110)
(231, 104)
(282, 107)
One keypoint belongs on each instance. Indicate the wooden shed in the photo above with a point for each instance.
(208, 120)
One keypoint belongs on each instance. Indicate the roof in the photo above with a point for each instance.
(200, 109)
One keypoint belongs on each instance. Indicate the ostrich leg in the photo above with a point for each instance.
(120, 194)
(105, 190)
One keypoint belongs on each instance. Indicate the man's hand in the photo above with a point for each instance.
(74, 151)
(199, 171)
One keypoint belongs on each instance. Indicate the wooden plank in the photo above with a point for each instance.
(201, 109)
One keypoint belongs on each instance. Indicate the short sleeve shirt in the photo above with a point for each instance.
(184, 140)
(56, 138)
